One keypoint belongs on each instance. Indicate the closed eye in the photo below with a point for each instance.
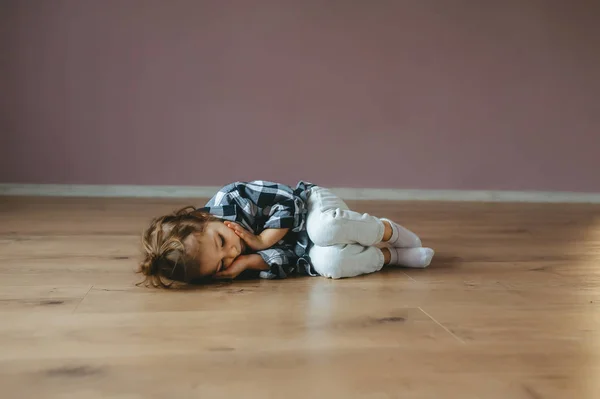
(222, 240)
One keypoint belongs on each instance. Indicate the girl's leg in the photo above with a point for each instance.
(341, 261)
(331, 222)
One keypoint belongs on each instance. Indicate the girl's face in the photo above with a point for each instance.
(215, 249)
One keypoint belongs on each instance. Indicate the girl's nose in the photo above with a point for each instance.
(231, 255)
(233, 251)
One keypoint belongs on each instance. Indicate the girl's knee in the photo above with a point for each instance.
(327, 261)
(323, 228)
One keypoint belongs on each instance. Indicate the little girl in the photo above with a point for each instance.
(277, 231)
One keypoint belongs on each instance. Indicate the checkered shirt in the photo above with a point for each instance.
(260, 205)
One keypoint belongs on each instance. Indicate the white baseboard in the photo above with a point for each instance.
(130, 191)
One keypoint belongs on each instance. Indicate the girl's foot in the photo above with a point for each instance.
(411, 257)
(401, 237)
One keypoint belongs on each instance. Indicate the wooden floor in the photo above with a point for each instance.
(510, 308)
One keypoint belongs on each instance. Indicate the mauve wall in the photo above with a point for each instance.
(440, 94)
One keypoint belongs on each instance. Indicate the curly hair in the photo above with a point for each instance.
(165, 258)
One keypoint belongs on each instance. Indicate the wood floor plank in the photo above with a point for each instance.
(127, 334)
(43, 292)
(354, 373)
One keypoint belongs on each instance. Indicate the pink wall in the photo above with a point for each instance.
(461, 94)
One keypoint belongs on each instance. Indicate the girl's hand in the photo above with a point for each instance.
(241, 263)
(238, 266)
(253, 241)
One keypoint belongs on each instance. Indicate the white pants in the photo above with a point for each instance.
(343, 240)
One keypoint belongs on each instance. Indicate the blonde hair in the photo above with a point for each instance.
(165, 256)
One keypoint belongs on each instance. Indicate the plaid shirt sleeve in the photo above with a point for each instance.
(281, 260)
(282, 215)
(247, 203)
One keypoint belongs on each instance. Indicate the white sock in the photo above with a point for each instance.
(411, 257)
(402, 237)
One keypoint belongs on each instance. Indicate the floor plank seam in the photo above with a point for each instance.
(441, 325)
(86, 294)
(411, 279)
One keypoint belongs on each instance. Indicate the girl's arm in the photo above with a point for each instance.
(270, 237)
(243, 262)
(264, 240)
(278, 262)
